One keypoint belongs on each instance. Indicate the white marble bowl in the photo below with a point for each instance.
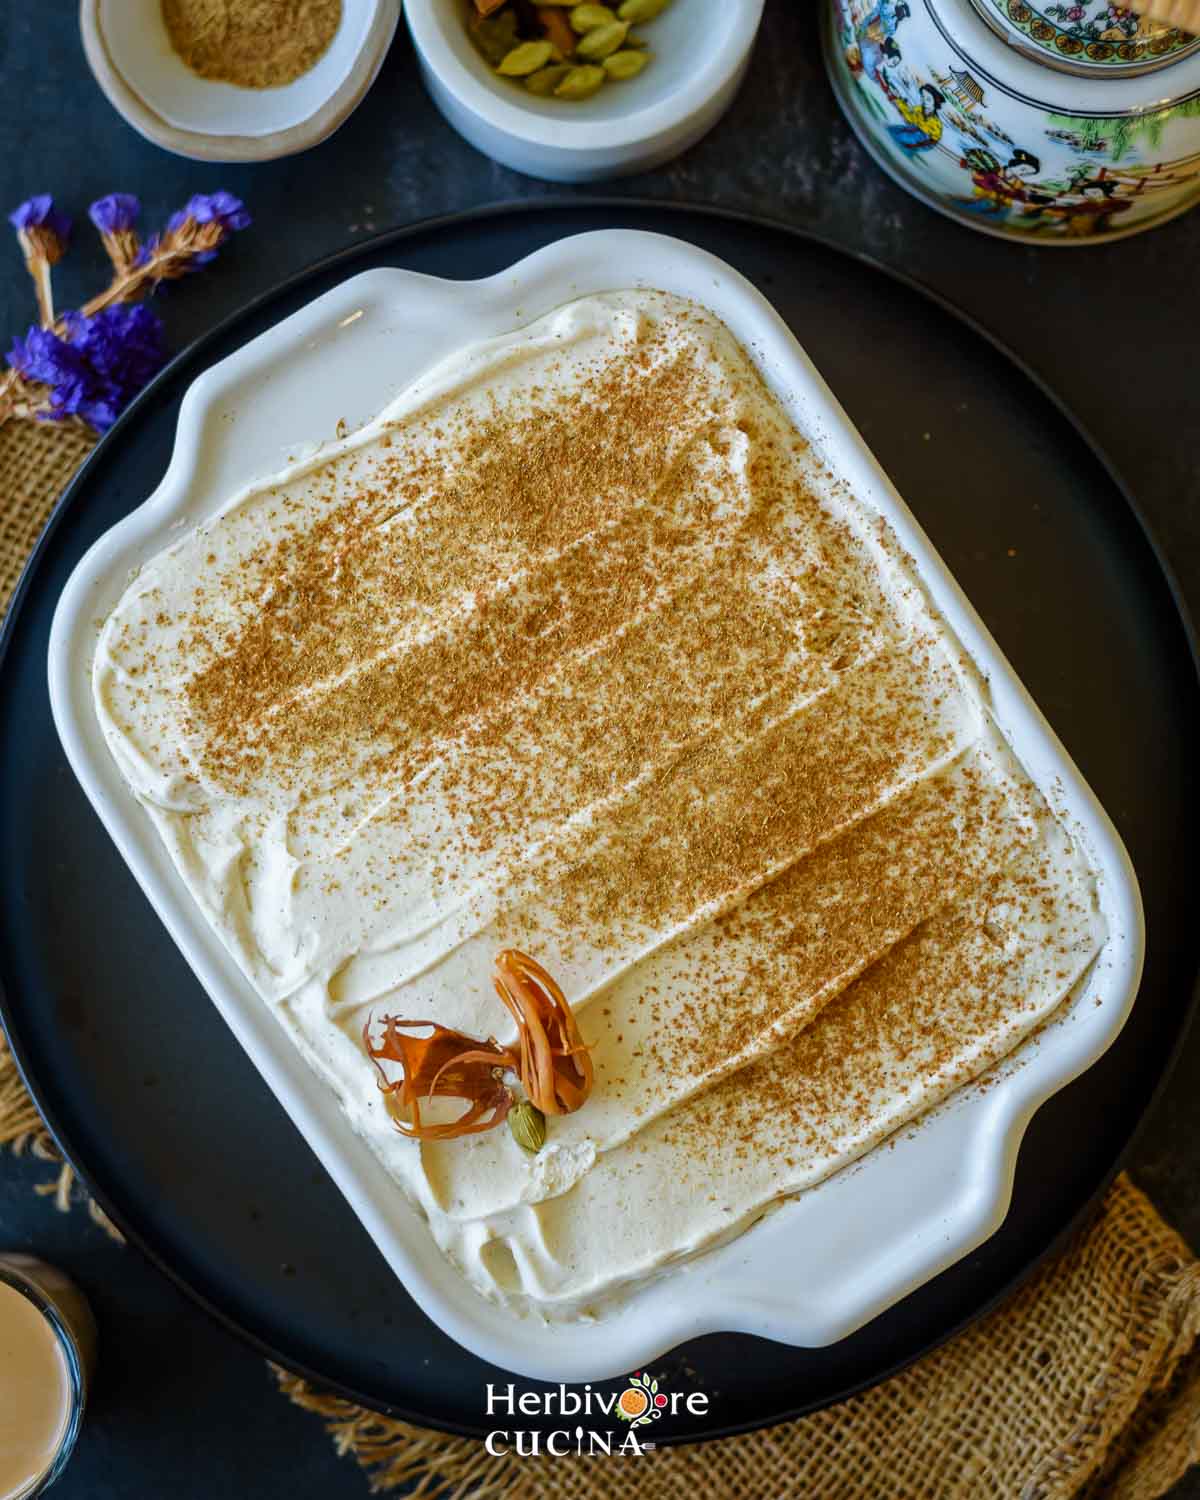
(700, 47)
(145, 80)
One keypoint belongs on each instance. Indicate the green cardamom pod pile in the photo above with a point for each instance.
(570, 51)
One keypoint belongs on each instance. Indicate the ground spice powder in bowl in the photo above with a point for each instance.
(255, 44)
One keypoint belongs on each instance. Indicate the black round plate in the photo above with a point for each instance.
(169, 1123)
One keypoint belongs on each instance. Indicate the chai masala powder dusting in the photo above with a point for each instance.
(256, 44)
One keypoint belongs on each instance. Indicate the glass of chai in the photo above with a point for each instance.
(47, 1350)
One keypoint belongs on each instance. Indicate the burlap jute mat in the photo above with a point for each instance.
(1086, 1382)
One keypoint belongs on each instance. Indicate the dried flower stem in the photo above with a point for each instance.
(173, 256)
(34, 247)
(39, 269)
(122, 248)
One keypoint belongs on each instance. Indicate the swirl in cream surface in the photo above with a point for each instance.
(578, 649)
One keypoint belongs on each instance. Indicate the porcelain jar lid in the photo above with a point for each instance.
(1090, 37)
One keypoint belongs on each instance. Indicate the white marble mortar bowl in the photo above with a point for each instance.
(700, 51)
(151, 87)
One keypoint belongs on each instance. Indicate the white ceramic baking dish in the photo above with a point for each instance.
(835, 1257)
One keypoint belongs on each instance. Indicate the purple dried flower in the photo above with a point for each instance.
(123, 347)
(99, 363)
(115, 214)
(212, 208)
(44, 357)
(205, 222)
(40, 213)
(41, 229)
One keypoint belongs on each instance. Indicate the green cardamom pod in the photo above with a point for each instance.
(526, 59)
(581, 83)
(528, 1126)
(627, 64)
(597, 44)
(588, 17)
(635, 11)
(546, 80)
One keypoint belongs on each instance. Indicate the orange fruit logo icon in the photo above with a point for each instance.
(633, 1402)
(640, 1402)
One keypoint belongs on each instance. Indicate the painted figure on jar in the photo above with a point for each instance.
(1098, 202)
(875, 37)
(997, 190)
(922, 128)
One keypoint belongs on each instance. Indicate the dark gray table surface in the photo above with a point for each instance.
(180, 1407)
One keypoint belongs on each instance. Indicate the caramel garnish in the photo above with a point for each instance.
(552, 1063)
(556, 1069)
(445, 1064)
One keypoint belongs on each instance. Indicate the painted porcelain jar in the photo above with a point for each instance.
(1054, 123)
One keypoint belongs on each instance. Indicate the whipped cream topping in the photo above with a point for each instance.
(577, 648)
